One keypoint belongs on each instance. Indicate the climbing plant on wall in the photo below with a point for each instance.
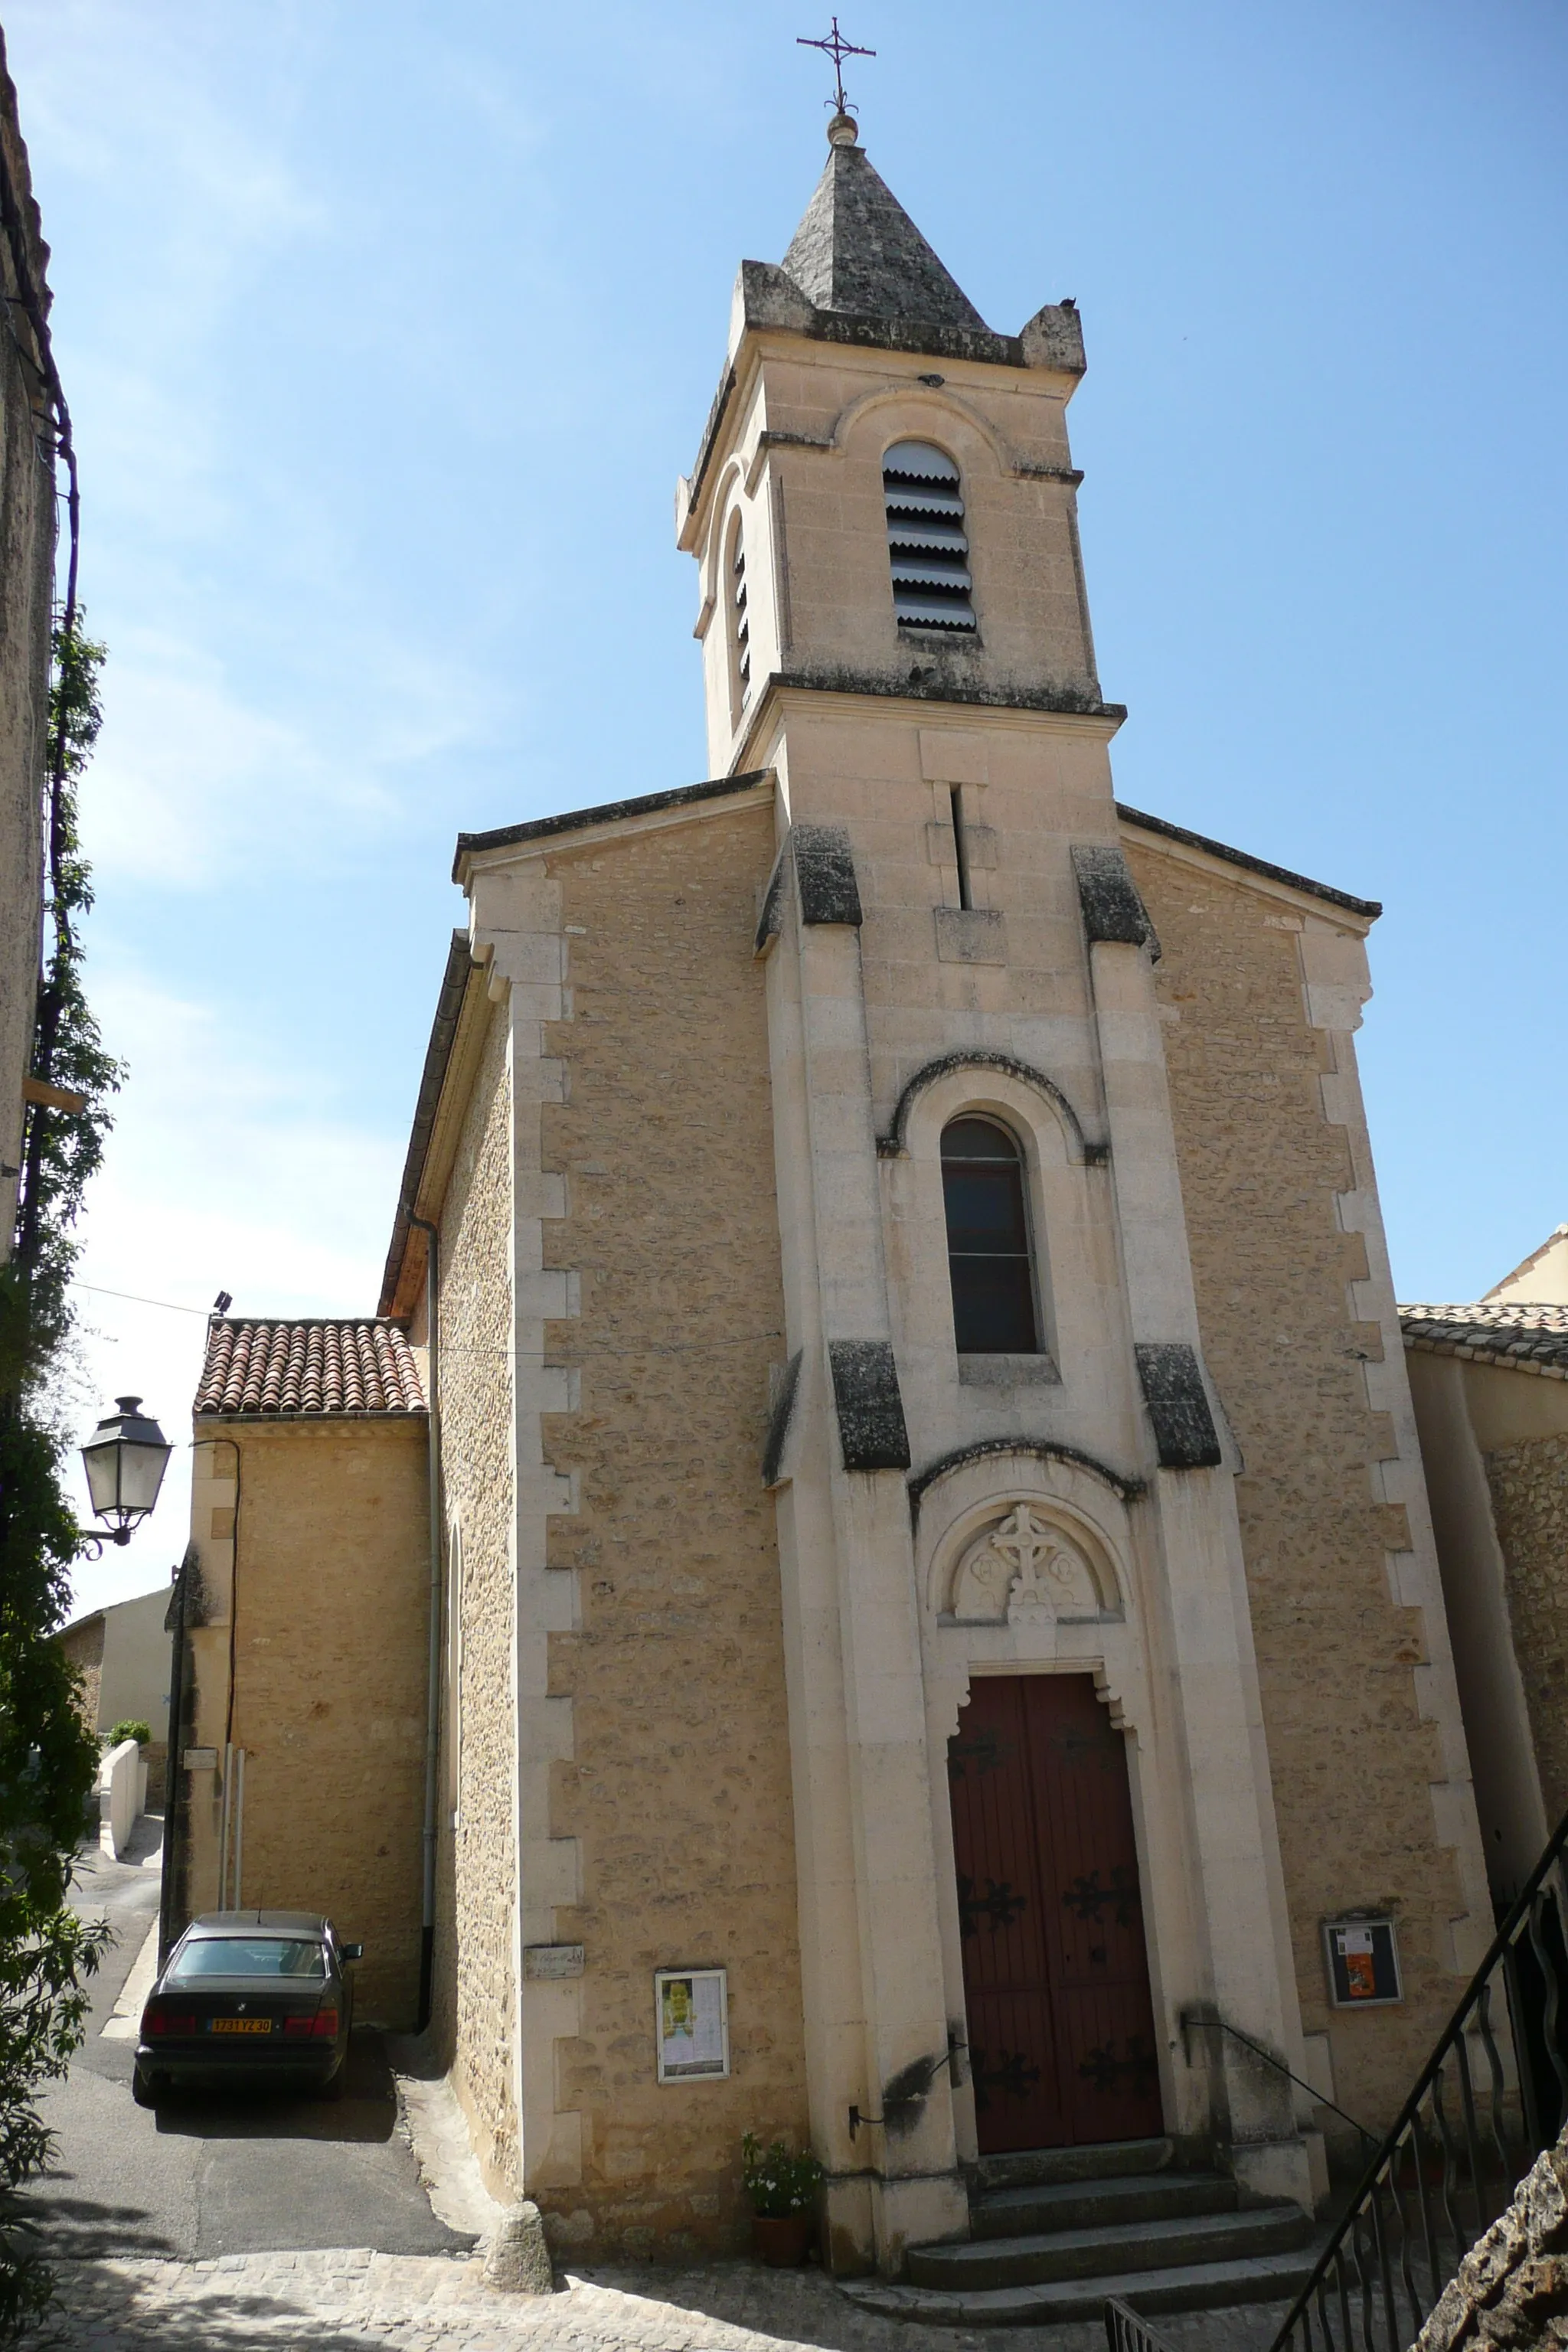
(47, 1755)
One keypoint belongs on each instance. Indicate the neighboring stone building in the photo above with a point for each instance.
(940, 1614)
(1490, 1387)
(303, 1605)
(121, 1652)
(26, 574)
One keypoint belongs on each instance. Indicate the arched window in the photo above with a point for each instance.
(740, 620)
(927, 547)
(988, 1256)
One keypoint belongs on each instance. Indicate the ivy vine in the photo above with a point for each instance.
(48, 1756)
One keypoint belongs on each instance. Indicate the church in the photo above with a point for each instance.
(887, 1374)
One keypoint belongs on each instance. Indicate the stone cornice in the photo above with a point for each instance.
(1198, 850)
(539, 834)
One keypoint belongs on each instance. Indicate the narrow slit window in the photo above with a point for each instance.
(739, 619)
(961, 847)
(928, 548)
(989, 1260)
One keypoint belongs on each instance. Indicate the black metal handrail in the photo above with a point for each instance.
(1195, 2021)
(1127, 2330)
(1443, 2172)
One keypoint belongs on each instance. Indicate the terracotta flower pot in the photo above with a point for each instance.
(781, 2240)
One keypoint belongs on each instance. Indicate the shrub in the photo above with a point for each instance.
(777, 2181)
(129, 1729)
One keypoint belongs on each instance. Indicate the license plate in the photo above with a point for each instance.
(240, 2025)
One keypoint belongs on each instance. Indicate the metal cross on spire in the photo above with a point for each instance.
(837, 48)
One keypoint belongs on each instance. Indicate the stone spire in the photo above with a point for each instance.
(857, 250)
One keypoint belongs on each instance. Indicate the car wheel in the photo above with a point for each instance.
(144, 2089)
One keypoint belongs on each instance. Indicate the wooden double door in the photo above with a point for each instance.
(1056, 1972)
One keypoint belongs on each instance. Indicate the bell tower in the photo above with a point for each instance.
(825, 562)
(896, 642)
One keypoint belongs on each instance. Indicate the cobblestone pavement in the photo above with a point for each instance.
(409, 2303)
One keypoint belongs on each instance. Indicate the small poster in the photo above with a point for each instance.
(1364, 1963)
(691, 2023)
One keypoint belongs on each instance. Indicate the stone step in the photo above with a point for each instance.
(1058, 2254)
(1036, 2167)
(1193, 2286)
(1087, 2204)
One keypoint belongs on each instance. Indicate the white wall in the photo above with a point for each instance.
(136, 1652)
(121, 1794)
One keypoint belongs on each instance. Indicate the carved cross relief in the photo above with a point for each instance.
(1023, 1571)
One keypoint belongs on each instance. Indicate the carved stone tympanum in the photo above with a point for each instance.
(1023, 1569)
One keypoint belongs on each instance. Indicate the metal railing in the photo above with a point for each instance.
(1199, 2019)
(1493, 2093)
(1126, 2331)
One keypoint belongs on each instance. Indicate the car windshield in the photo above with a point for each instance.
(248, 1956)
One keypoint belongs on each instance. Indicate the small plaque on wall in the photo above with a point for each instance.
(545, 1962)
(1364, 1963)
(691, 2023)
(200, 1759)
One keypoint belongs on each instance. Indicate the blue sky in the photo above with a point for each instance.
(387, 330)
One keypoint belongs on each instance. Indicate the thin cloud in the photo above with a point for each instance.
(192, 784)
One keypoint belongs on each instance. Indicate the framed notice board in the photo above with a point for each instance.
(691, 2023)
(1364, 1963)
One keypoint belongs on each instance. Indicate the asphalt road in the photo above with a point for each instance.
(218, 2173)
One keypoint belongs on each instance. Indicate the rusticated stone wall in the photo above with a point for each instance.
(681, 1794)
(1351, 1755)
(476, 1963)
(1529, 1485)
(1511, 2289)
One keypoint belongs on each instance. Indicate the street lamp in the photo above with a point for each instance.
(125, 1459)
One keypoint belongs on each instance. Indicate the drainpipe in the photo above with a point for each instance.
(433, 1667)
(174, 1782)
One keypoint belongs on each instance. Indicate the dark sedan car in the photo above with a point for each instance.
(248, 1997)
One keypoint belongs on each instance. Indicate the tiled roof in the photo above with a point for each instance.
(308, 1368)
(1523, 1333)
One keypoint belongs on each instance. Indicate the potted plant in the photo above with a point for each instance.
(781, 2189)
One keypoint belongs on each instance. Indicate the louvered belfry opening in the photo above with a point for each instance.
(927, 545)
(741, 627)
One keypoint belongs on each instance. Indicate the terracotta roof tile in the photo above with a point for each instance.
(336, 1366)
(1525, 1334)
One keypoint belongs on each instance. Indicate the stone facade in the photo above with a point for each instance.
(678, 1787)
(611, 1576)
(1365, 1744)
(327, 1635)
(477, 1972)
(27, 572)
